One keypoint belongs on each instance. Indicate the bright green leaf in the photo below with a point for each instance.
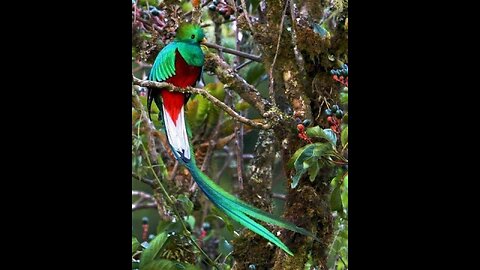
(313, 171)
(149, 254)
(318, 132)
(190, 221)
(135, 244)
(343, 98)
(305, 154)
(297, 153)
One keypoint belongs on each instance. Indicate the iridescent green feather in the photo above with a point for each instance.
(164, 65)
(240, 211)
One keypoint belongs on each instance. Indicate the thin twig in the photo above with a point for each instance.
(232, 51)
(140, 203)
(205, 94)
(270, 73)
(174, 171)
(142, 194)
(224, 167)
(242, 65)
(149, 182)
(239, 152)
(144, 206)
(247, 17)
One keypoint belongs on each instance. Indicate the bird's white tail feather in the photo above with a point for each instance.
(177, 135)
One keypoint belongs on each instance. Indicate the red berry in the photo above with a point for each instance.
(300, 127)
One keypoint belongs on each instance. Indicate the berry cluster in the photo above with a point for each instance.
(340, 72)
(223, 8)
(335, 110)
(153, 16)
(302, 134)
(341, 75)
(334, 119)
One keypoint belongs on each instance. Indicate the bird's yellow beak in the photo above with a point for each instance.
(203, 40)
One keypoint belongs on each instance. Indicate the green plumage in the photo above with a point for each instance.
(187, 43)
(241, 211)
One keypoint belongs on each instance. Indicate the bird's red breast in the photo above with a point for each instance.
(185, 75)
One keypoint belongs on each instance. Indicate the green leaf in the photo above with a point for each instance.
(169, 226)
(343, 98)
(336, 200)
(190, 221)
(297, 154)
(318, 132)
(135, 244)
(241, 106)
(216, 89)
(305, 157)
(203, 108)
(255, 71)
(331, 136)
(344, 136)
(186, 203)
(313, 171)
(149, 254)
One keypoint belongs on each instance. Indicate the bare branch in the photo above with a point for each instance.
(143, 206)
(247, 17)
(140, 203)
(232, 51)
(205, 94)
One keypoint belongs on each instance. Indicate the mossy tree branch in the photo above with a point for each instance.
(205, 94)
(228, 76)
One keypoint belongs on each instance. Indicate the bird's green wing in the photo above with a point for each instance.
(164, 65)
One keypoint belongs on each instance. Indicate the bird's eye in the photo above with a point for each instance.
(193, 36)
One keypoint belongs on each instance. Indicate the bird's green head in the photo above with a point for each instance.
(188, 32)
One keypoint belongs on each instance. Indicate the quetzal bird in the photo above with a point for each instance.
(180, 63)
